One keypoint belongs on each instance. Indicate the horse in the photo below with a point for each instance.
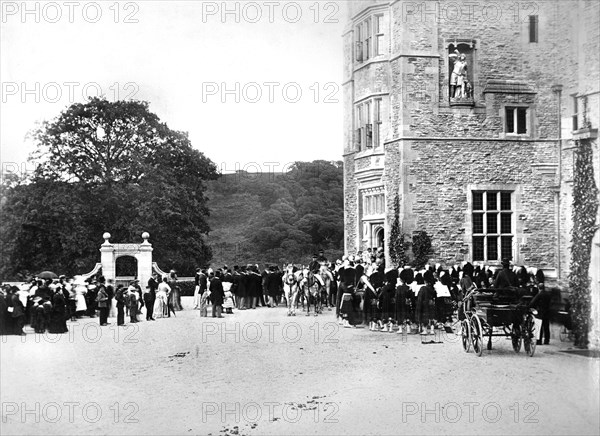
(290, 288)
(311, 289)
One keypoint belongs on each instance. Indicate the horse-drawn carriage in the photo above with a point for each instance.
(498, 312)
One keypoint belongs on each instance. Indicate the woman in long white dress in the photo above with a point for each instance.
(161, 298)
(80, 291)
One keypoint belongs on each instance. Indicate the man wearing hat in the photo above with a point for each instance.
(102, 300)
(314, 266)
(506, 278)
(132, 300)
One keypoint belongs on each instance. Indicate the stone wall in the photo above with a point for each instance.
(441, 174)
(459, 147)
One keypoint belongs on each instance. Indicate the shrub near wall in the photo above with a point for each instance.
(421, 249)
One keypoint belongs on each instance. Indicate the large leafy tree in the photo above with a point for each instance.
(107, 166)
(281, 217)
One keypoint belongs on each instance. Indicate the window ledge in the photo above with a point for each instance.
(517, 136)
(586, 133)
(462, 102)
(374, 60)
(370, 152)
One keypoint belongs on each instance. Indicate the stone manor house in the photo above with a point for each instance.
(471, 113)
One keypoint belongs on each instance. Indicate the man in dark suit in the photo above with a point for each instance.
(102, 301)
(150, 297)
(542, 302)
(122, 300)
(133, 302)
(216, 295)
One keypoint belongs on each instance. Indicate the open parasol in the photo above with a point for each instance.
(47, 275)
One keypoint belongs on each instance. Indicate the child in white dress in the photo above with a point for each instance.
(228, 300)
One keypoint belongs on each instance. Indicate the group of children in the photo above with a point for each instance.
(407, 300)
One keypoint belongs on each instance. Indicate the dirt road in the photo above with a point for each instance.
(260, 372)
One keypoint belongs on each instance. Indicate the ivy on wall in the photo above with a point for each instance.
(585, 208)
(397, 242)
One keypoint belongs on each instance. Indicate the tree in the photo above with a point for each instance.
(279, 217)
(107, 166)
(397, 242)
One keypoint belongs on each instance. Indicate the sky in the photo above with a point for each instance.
(257, 85)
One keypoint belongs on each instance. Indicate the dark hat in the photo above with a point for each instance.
(407, 275)
(539, 276)
(391, 276)
(506, 261)
(419, 279)
(428, 276)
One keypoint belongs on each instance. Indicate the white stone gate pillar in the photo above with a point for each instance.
(107, 258)
(144, 258)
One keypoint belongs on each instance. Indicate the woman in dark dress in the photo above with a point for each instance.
(17, 314)
(175, 296)
(58, 317)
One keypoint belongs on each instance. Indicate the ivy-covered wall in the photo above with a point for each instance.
(585, 209)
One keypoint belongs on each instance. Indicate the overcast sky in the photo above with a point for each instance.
(183, 58)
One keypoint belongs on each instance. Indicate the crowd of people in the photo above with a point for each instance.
(47, 304)
(411, 300)
(361, 289)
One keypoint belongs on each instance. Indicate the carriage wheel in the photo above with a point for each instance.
(477, 335)
(528, 333)
(465, 333)
(515, 335)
